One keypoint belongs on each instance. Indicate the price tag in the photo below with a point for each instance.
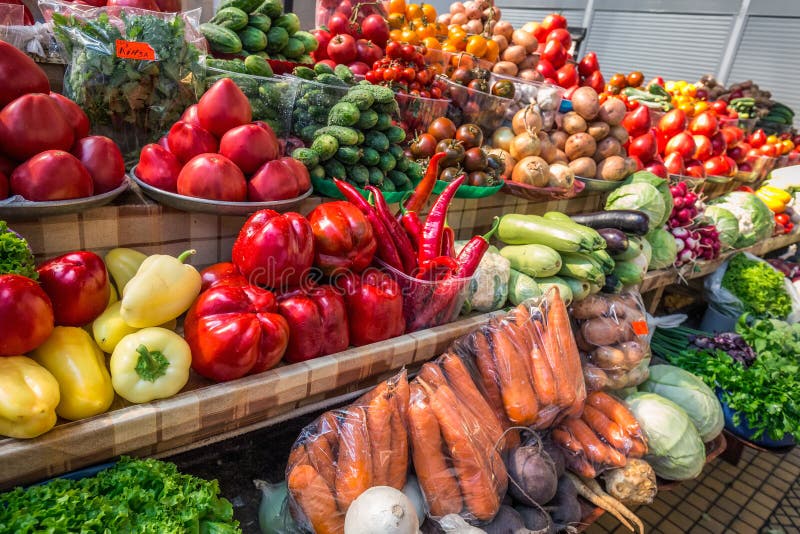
(640, 328)
(135, 50)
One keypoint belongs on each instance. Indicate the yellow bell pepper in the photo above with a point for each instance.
(109, 328)
(79, 366)
(777, 192)
(123, 263)
(28, 398)
(152, 363)
(773, 201)
(163, 288)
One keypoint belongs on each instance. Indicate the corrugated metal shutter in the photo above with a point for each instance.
(520, 15)
(768, 56)
(664, 44)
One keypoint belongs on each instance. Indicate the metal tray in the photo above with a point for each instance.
(16, 207)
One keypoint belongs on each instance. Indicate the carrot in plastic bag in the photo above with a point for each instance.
(575, 458)
(638, 449)
(596, 451)
(400, 394)
(543, 380)
(397, 470)
(486, 367)
(516, 390)
(607, 429)
(558, 352)
(616, 411)
(379, 414)
(312, 494)
(354, 461)
(436, 479)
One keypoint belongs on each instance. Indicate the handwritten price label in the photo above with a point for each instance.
(134, 50)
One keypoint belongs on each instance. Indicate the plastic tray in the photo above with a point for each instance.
(526, 92)
(327, 188)
(470, 105)
(593, 184)
(542, 194)
(215, 207)
(16, 207)
(469, 191)
(418, 112)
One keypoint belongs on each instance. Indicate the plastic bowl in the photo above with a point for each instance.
(528, 92)
(271, 98)
(311, 105)
(469, 105)
(427, 304)
(418, 112)
(744, 431)
(446, 62)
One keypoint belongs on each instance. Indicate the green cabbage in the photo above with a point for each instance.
(756, 221)
(675, 449)
(641, 197)
(664, 248)
(690, 393)
(726, 224)
(647, 177)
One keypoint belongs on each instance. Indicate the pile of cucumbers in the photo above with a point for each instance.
(314, 100)
(359, 142)
(258, 27)
(780, 114)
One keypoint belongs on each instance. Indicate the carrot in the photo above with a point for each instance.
(516, 390)
(379, 431)
(544, 380)
(596, 451)
(569, 368)
(517, 332)
(298, 455)
(397, 470)
(578, 463)
(436, 479)
(431, 375)
(638, 449)
(400, 394)
(607, 429)
(616, 411)
(321, 456)
(565, 439)
(354, 462)
(475, 475)
(313, 495)
(488, 372)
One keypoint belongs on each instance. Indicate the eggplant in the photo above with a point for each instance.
(613, 285)
(616, 240)
(629, 221)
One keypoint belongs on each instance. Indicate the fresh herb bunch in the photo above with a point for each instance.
(132, 496)
(770, 336)
(758, 286)
(16, 256)
(766, 394)
(124, 94)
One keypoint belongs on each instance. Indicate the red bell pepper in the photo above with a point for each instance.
(343, 237)
(275, 250)
(374, 307)
(219, 273)
(77, 284)
(234, 331)
(26, 314)
(317, 320)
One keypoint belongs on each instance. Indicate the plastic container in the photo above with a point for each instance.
(362, 8)
(744, 431)
(470, 105)
(747, 125)
(418, 112)
(427, 304)
(271, 98)
(311, 105)
(446, 62)
(714, 321)
(528, 92)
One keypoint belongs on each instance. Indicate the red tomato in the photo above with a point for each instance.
(718, 144)
(703, 149)
(682, 144)
(769, 150)
(567, 76)
(758, 138)
(731, 134)
(278, 180)
(637, 122)
(643, 147)
(31, 124)
(658, 168)
(732, 164)
(20, 74)
(673, 122)
(555, 53)
(359, 67)
(249, 146)
(368, 52)
(546, 69)
(739, 152)
(596, 81)
(342, 49)
(553, 21)
(718, 166)
(222, 107)
(589, 65)
(323, 37)
(77, 284)
(102, 158)
(74, 115)
(187, 141)
(720, 107)
(52, 175)
(339, 24)
(190, 116)
(213, 177)
(695, 169)
(674, 164)
(704, 123)
(26, 314)
(561, 35)
(158, 167)
(375, 28)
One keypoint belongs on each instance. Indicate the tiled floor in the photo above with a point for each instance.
(761, 495)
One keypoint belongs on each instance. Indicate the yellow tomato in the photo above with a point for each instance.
(449, 47)
(441, 30)
(456, 33)
(396, 20)
(397, 6)
(409, 36)
(700, 106)
(686, 107)
(492, 51)
(689, 89)
(396, 35)
(413, 11)
(788, 145)
(429, 12)
(772, 139)
(425, 30)
(432, 43)
(670, 86)
(476, 45)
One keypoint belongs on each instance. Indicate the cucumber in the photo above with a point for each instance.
(230, 65)
(330, 79)
(388, 186)
(306, 156)
(276, 39)
(533, 260)
(517, 229)
(245, 5)
(310, 42)
(548, 283)
(387, 162)
(349, 155)
(258, 66)
(362, 99)
(317, 172)
(322, 68)
(334, 169)
(375, 176)
(400, 180)
(395, 134)
(358, 174)
(271, 8)
(253, 39)
(232, 18)
(343, 134)
(221, 39)
(396, 151)
(304, 73)
(403, 163)
(262, 22)
(289, 22)
(376, 140)
(293, 48)
(344, 114)
(384, 122)
(325, 146)
(344, 73)
(370, 157)
(521, 287)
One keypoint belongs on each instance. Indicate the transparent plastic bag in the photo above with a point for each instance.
(729, 305)
(528, 363)
(612, 335)
(132, 71)
(347, 451)
(604, 437)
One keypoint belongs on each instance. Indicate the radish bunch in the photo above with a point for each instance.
(685, 208)
(700, 243)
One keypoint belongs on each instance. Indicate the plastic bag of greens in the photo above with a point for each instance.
(488, 289)
(132, 71)
(752, 289)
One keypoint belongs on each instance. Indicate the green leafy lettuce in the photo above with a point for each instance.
(759, 287)
(133, 496)
(15, 254)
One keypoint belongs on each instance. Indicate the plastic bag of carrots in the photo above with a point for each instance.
(456, 444)
(611, 332)
(528, 363)
(347, 451)
(604, 437)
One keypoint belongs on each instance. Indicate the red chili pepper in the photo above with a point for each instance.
(425, 187)
(449, 243)
(472, 253)
(396, 232)
(412, 226)
(386, 249)
(430, 245)
(437, 268)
